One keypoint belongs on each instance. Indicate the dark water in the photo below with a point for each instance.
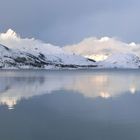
(70, 105)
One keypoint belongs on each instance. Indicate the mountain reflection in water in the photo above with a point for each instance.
(70, 105)
(17, 85)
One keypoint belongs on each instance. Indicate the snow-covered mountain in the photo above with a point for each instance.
(30, 53)
(37, 58)
(120, 60)
(23, 53)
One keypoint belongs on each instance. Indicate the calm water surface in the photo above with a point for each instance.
(70, 105)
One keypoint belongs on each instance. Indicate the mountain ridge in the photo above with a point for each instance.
(29, 53)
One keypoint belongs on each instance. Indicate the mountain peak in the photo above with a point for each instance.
(9, 34)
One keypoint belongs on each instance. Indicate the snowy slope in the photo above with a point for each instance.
(15, 58)
(121, 60)
(30, 53)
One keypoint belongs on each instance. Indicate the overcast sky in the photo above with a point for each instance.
(64, 22)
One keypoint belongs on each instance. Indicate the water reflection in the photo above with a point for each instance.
(15, 85)
(70, 105)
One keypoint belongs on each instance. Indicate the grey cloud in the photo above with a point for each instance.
(69, 21)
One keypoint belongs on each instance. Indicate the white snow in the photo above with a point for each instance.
(121, 60)
(55, 54)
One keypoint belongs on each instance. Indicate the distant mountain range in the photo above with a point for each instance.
(18, 53)
(36, 58)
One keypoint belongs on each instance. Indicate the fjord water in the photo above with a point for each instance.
(70, 105)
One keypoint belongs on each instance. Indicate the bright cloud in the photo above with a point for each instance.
(101, 48)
